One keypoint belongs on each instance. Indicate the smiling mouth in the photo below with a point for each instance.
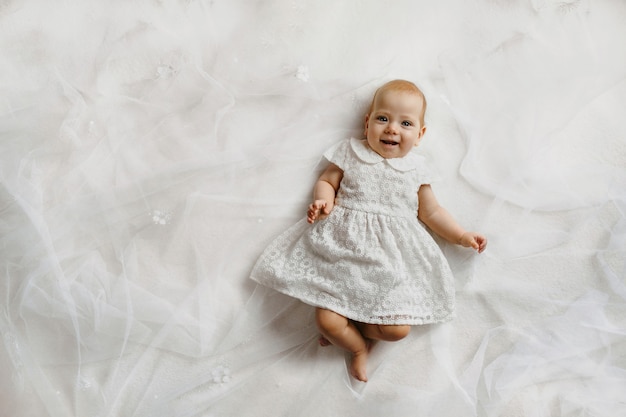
(388, 142)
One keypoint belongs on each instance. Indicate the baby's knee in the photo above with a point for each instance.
(329, 322)
(395, 332)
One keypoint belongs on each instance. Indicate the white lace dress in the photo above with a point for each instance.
(370, 260)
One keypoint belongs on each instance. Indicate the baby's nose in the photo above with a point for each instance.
(392, 128)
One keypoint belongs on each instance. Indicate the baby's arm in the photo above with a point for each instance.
(324, 193)
(441, 222)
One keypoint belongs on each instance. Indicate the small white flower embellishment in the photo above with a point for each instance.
(83, 384)
(165, 71)
(220, 375)
(160, 217)
(302, 73)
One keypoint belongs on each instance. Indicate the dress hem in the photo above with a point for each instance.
(414, 322)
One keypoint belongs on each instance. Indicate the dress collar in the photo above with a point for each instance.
(366, 154)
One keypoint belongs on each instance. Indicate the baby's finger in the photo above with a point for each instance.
(479, 243)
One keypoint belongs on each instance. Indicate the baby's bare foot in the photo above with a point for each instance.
(323, 341)
(358, 366)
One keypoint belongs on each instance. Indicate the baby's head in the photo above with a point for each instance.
(394, 123)
(401, 86)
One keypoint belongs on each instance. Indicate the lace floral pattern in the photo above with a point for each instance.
(370, 260)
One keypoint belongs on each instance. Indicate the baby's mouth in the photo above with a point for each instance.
(388, 142)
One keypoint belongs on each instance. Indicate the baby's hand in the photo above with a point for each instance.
(318, 210)
(473, 240)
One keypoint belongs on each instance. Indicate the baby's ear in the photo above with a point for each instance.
(420, 136)
(367, 119)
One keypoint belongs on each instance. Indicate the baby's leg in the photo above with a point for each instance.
(389, 333)
(343, 333)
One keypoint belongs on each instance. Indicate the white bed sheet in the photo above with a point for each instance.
(149, 150)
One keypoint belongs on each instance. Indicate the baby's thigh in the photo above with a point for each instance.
(386, 332)
(392, 333)
(329, 320)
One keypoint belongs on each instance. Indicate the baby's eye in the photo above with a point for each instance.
(407, 123)
(382, 118)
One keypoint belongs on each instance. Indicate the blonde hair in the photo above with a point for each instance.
(402, 86)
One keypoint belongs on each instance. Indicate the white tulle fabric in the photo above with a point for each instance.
(371, 260)
(150, 151)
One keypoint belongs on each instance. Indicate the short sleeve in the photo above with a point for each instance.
(338, 154)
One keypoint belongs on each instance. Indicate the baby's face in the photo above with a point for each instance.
(393, 127)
